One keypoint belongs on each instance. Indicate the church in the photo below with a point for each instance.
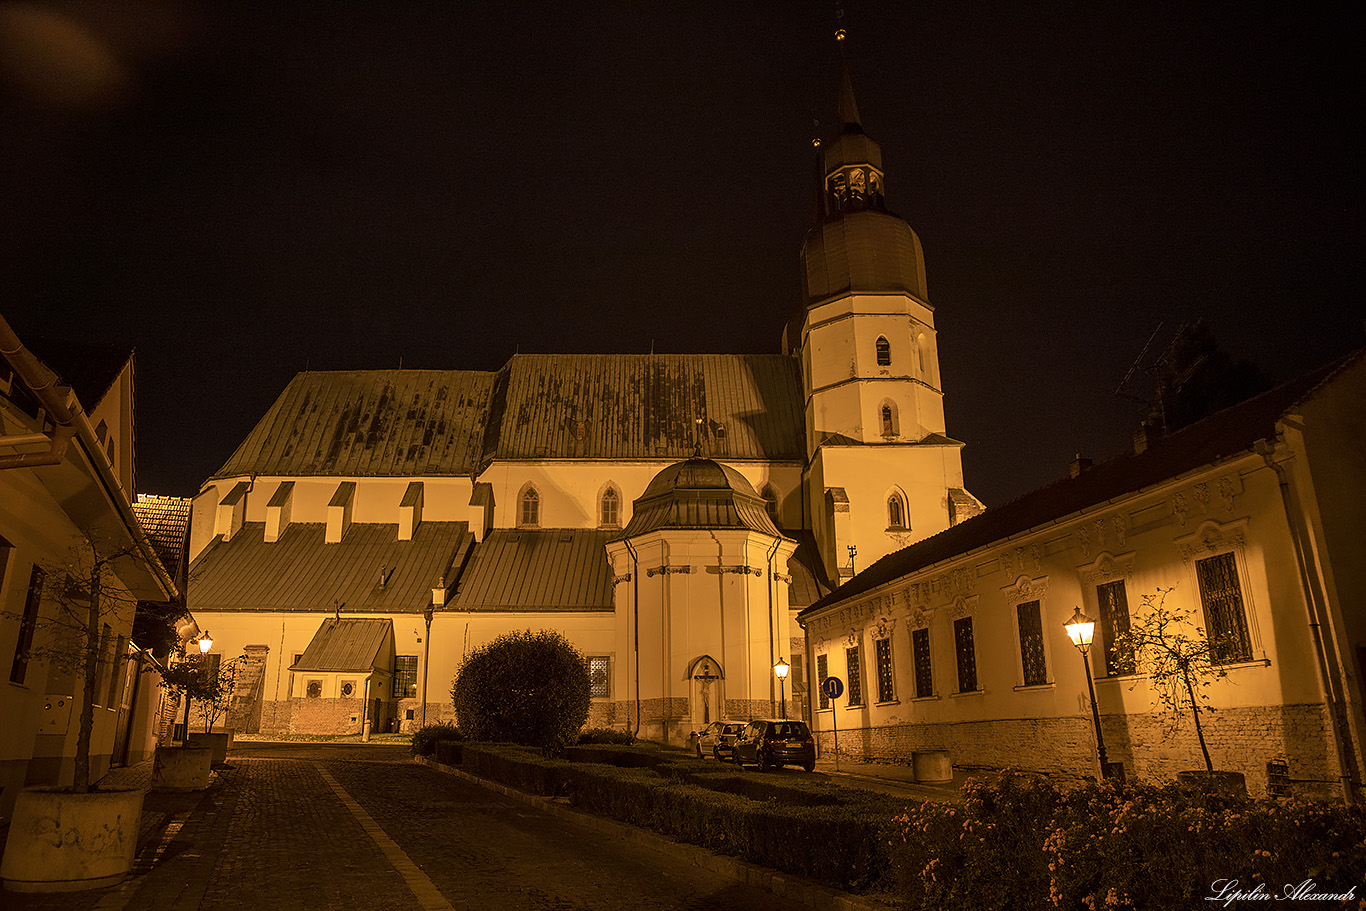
(669, 514)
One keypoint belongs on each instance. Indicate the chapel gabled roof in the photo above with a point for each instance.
(1226, 434)
(341, 646)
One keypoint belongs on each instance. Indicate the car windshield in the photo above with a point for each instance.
(733, 728)
(789, 729)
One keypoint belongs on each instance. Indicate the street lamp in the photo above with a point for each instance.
(781, 669)
(205, 643)
(1081, 630)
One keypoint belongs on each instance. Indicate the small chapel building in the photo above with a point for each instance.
(669, 514)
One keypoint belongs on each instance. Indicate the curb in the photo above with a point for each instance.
(785, 885)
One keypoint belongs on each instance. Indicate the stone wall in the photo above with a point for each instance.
(1151, 748)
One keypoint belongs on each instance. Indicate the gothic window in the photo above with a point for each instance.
(531, 508)
(884, 352)
(855, 672)
(920, 657)
(896, 512)
(967, 655)
(822, 672)
(1225, 617)
(599, 676)
(1114, 622)
(770, 502)
(610, 513)
(405, 676)
(888, 418)
(886, 691)
(1031, 644)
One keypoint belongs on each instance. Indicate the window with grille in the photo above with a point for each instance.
(19, 668)
(882, 652)
(822, 672)
(405, 676)
(1031, 644)
(855, 672)
(920, 657)
(888, 420)
(611, 508)
(1225, 618)
(967, 655)
(531, 507)
(1114, 622)
(884, 352)
(896, 512)
(599, 677)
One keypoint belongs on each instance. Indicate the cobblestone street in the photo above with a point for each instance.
(340, 827)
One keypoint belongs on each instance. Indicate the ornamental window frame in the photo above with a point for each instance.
(922, 663)
(884, 670)
(1216, 539)
(898, 515)
(1107, 569)
(1019, 597)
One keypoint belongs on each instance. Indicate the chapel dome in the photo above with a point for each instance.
(699, 493)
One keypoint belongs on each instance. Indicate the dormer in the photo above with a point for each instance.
(339, 511)
(232, 511)
(278, 511)
(410, 511)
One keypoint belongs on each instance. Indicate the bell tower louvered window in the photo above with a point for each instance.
(884, 352)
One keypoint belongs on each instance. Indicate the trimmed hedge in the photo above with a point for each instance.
(425, 738)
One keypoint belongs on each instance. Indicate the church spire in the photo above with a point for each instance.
(848, 107)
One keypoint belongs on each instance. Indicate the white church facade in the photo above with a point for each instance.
(669, 514)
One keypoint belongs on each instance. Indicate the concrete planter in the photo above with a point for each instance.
(1216, 782)
(932, 766)
(218, 743)
(182, 768)
(64, 842)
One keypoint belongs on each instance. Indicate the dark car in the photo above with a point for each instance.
(716, 738)
(770, 744)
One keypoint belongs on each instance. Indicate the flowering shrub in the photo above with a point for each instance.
(1021, 843)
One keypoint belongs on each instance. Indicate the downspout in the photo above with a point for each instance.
(635, 622)
(1327, 667)
(772, 621)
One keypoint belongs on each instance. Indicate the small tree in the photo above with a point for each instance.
(523, 687)
(216, 705)
(84, 600)
(1175, 653)
(191, 678)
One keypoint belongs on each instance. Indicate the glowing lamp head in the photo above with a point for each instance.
(205, 643)
(781, 668)
(1081, 629)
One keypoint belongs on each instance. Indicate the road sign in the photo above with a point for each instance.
(832, 687)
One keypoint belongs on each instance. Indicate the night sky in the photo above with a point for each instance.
(241, 191)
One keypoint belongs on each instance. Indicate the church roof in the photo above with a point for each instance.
(699, 493)
(1226, 434)
(301, 572)
(647, 407)
(540, 569)
(369, 423)
(345, 645)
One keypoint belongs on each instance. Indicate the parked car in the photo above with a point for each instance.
(716, 739)
(770, 744)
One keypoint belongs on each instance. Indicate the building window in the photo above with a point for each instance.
(315, 689)
(888, 418)
(599, 676)
(822, 672)
(882, 651)
(920, 657)
(1225, 618)
(1031, 644)
(611, 509)
(855, 671)
(1114, 622)
(896, 512)
(348, 689)
(531, 508)
(770, 502)
(884, 352)
(405, 676)
(19, 668)
(967, 655)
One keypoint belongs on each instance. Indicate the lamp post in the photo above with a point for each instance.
(205, 643)
(781, 669)
(1081, 630)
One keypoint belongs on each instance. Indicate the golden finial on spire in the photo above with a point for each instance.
(840, 35)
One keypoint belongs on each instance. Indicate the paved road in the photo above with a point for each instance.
(339, 827)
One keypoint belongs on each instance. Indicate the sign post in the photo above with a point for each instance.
(833, 687)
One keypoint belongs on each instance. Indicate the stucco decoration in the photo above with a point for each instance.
(853, 638)
(1025, 589)
(1121, 528)
(962, 607)
(1201, 494)
(1107, 568)
(1084, 541)
(1211, 537)
(1227, 491)
(624, 577)
(885, 627)
(922, 616)
(668, 570)
(1180, 509)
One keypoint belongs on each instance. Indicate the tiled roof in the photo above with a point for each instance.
(1220, 436)
(302, 572)
(646, 406)
(166, 520)
(545, 569)
(345, 645)
(89, 368)
(369, 423)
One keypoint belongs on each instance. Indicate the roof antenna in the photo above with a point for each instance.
(336, 609)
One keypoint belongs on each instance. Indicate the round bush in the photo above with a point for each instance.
(425, 738)
(524, 687)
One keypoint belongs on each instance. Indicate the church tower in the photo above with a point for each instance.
(881, 473)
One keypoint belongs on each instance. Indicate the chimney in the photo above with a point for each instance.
(1078, 465)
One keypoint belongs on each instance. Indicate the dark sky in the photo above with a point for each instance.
(244, 190)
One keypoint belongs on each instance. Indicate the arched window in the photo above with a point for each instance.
(610, 512)
(920, 344)
(896, 512)
(531, 507)
(888, 420)
(770, 502)
(884, 352)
